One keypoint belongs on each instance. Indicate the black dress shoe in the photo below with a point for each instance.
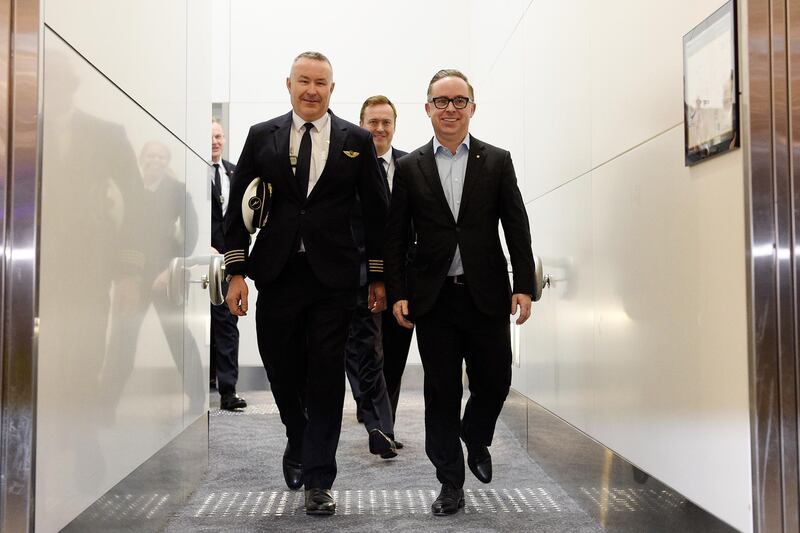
(380, 444)
(320, 502)
(398, 445)
(479, 461)
(449, 501)
(231, 402)
(292, 470)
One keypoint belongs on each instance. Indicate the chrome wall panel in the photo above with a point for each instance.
(21, 145)
(770, 29)
(111, 366)
(141, 46)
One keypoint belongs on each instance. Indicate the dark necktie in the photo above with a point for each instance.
(217, 183)
(384, 173)
(304, 159)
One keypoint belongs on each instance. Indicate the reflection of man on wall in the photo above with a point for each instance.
(170, 222)
(224, 330)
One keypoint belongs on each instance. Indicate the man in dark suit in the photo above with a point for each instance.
(455, 190)
(305, 265)
(224, 329)
(366, 347)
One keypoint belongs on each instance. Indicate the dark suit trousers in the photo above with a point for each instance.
(364, 363)
(225, 346)
(454, 330)
(396, 342)
(302, 329)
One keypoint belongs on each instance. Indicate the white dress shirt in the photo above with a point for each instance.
(388, 166)
(225, 181)
(320, 141)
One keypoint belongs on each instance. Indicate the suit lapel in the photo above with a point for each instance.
(281, 137)
(427, 164)
(474, 165)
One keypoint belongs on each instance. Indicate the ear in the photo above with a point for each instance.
(428, 109)
(289, 84)
(333, 84)
(472, 111)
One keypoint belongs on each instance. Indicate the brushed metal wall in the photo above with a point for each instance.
(769, 30)
(20, 22)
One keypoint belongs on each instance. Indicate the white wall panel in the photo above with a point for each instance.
(372, 50)
(221, 50)
(636, 69)
(199, 76)
(491, 25)
(110, 384)
(559, 342)
(502, 91)
(197, 318)
(141, 46)
(671, 322)
(557, 94)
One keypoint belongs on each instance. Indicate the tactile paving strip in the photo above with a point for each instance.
(133, 507)
(632, 499)
(375, 502)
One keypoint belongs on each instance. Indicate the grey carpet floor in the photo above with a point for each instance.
(244, 488)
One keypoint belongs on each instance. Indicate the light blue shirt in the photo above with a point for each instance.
(452, 170)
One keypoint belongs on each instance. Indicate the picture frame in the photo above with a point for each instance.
(711, 86)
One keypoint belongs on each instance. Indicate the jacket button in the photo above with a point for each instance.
(458, 229)
(302, 211)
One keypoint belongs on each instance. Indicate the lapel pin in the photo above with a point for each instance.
(350, 153)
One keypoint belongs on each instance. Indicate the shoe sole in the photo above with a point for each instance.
(460, 506)
(320, 512)
(381, 447)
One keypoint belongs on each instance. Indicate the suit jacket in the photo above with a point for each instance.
(321, 219)
(217, 219)
(357, 221)
(490, 196)
(167, 207)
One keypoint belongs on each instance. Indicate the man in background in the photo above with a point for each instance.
(377, 347)
(224, 329)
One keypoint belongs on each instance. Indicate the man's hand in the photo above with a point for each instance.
(237, 296)
(400, 312)
(377, 297)
(523, 302)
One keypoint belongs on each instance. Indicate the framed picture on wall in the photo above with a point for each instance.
(710, 86)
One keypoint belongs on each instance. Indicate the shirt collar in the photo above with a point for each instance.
(387, 156)
(298, 122)
(437, 145)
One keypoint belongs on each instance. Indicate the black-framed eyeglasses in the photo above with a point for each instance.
(441, 102)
